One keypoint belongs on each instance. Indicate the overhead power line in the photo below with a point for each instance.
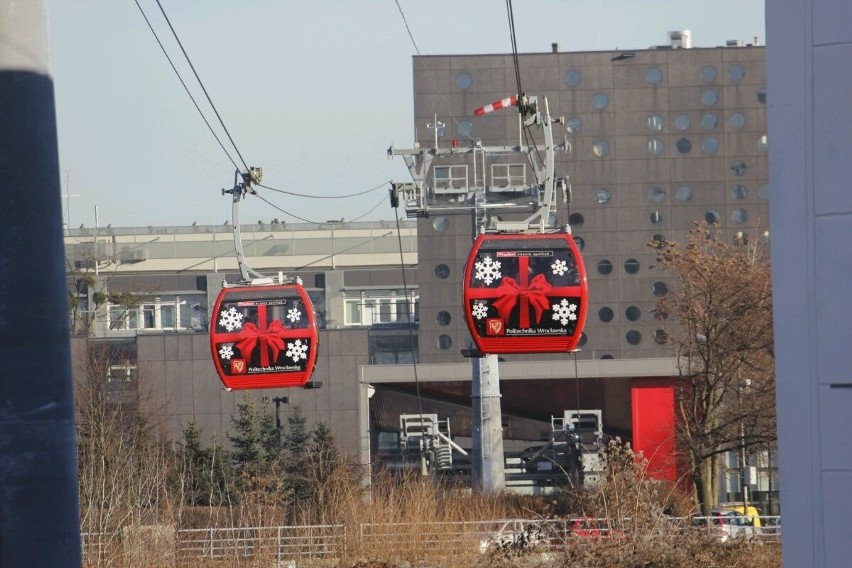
(366, 191)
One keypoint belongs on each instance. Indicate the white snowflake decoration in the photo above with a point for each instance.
(226, 352)
(231, 319)
(488, 270)
(479, 310)
(294, 315)
(297, 350)
(559, 267)
(564, 311)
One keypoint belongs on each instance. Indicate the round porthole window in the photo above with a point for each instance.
(661, 337)
(583, 339)
(605, 314)
(739, 215)
(683, 193)
(681, 122)
(443, 317)
(657, 218)
(631, 266)
(464, 81)
(573, 78)
(602, 196)
(737, 120)
(444, 341)
(601, 148)
(655, 123)
(574, 125)
(709, 121)
(710, 145)
(660, 289)
(440, 224)
(712, 217)
(634, 337)
(600, 100)
(633, 313)
(739, 168)
(684, 146)
(654, 75)
(709, 97)
(736, 73)
(604, 267)
(739, 192)
(657, 195)
(442, 271)
(655, 146)
(708, 74)
(576, 220)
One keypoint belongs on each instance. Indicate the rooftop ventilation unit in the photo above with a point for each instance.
(734, 43)
(680, 39)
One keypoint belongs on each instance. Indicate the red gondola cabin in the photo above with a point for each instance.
(264, 336)
(525, 293)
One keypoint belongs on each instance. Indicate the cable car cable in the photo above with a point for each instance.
(366, 191)
(185, 87)
(203, 88)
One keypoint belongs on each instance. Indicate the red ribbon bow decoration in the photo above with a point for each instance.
(271, 339)
(511, 292)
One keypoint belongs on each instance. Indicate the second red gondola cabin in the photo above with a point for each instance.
(525, 293)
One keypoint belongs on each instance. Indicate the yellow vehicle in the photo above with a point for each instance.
(751, 514)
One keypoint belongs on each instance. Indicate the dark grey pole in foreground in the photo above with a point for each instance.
(39, 524)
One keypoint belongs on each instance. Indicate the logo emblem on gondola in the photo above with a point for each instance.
(495, 326)
(238, 367)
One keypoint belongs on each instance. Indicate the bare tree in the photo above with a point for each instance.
(719, 316)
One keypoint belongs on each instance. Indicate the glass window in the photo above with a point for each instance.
(681, 122)
(602, 195)
(607, 356)
(574, 124)
(353, 312)
(655, 146)
(444, 341)
(601, 148)
(709, 121)
(605, 314)
(657, 218)
(763, 143)
(709, 97)
(573, 78)
(631, 266)
(581, 243)
(739, 192)
(657, 194)
(633, 313)
(443, 317)
(739, 215)
(634, 337)
(464, 81)
(761, 95)
(442, 271)
(660, 289)
(654, 75)
(576, 220)
(710, 145)
(739, 168)
(736, 73)
(466, 128)
(737, 120)
(764, 191)
(604, 267)
(658, 238)
(600, 100)
(655, 123)
(583, 339)
(684, 146)
(440, 224)
(712, 217)
(683, 193)
(708, 74)
(661, 337)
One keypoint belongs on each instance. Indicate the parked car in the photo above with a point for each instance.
(516, 535)
(727, 524)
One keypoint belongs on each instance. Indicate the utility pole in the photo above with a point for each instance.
(39, 510)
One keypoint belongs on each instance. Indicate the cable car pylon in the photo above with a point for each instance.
(263, 331)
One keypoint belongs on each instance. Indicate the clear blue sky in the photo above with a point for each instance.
(312, 90)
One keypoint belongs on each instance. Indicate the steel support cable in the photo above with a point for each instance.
(203, 88)
(444, 100)
(185, 87)
(366, 191)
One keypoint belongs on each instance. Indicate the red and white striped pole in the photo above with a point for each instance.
(496, 105)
